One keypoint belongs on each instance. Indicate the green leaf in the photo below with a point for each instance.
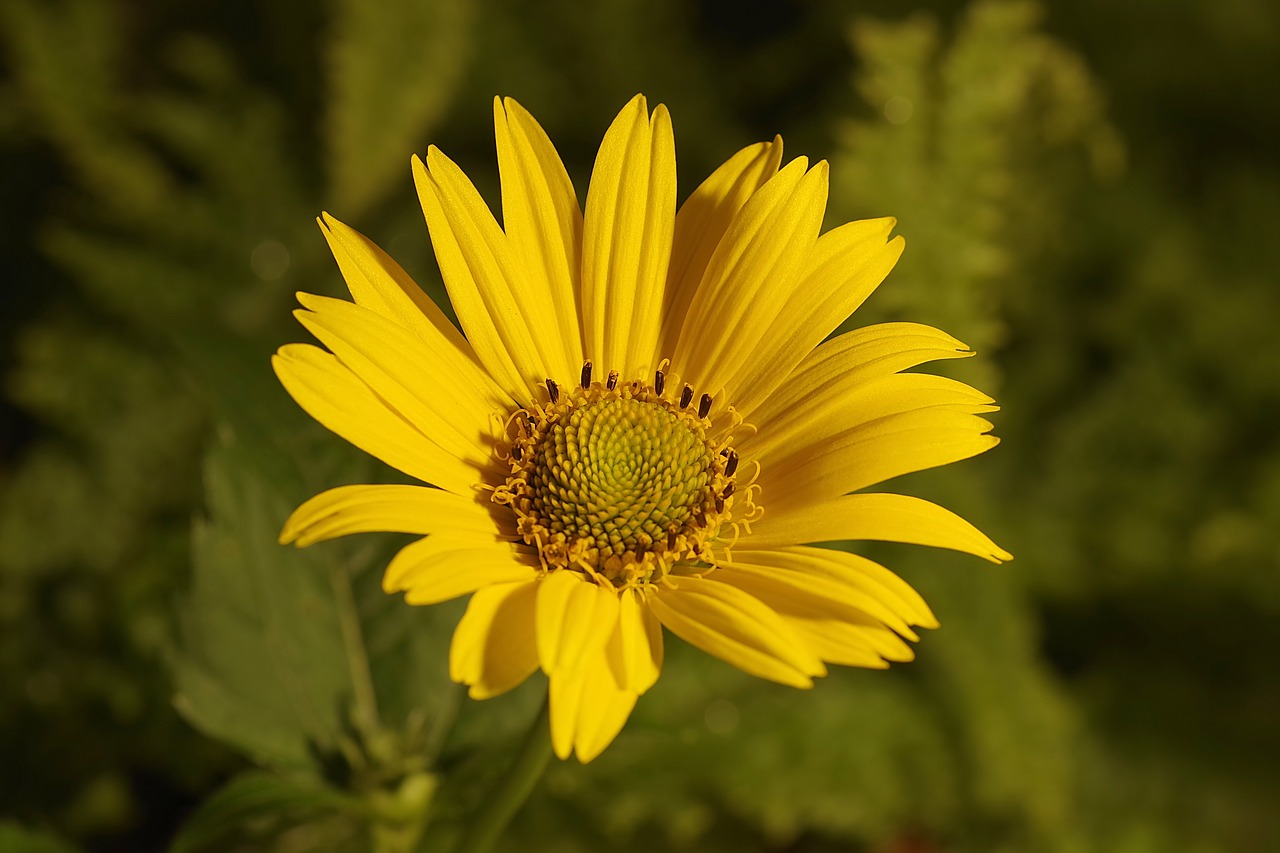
(393, 69)
(263, 665)
(291, 654)
(273, 800)
(17, 839)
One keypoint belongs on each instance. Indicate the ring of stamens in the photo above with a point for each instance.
(618, 480)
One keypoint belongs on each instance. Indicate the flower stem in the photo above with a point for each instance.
(366, 701)
(493, 817)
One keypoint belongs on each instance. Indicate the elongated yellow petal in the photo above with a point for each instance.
(626, 244)
(703, 220)
(846, 265)
(576, 617)
(396, 366)
(445, 566)
(638, 641)
(564, 693)
(751, 275)
(795, 599)
(849, 645)
(736, 628)
(852, 570)
(845, 403)
(605, 707)
(493, 646)
(543, 222)
(380, 284)
(333, 395)
(495, 306)
(855, 357)
(871, 453)
(776, 580)
(880, 517)
(392, 509)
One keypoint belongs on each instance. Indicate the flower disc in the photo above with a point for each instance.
(617, 481)
(620, 474)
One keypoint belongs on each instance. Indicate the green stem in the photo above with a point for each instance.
(366, 711)
(498, 811)
(444, 723)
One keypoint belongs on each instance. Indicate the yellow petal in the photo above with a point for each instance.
(392, 509)
(445, 566)
(626, 242)
(638, 641)
(434, 397)
(846, 265)
(852, 570)
(846, 402)
(737, 628)
(751, 275)
(378, 283)
(777, 577)
(493, 646)
(843, 644)
(703, 220)
(497, 309)
(564, 694)
(576, 617)
(541, 217)
(854, 357)
(870, 453)
(333, 395)
(881, 517)
(804, 602)
(605, 707)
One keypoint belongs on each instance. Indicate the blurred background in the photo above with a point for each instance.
(1090, 193)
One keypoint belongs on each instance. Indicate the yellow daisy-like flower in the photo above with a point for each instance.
(640, 425)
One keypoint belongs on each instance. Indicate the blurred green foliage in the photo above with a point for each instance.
(1094, 211)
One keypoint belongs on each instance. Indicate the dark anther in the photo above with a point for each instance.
(704, 405)
(659, 381)
(719, 504)
(613, 380)
(699, 517)
(686, 397)
(728, 490)
(586, 375)
(731, 465)
(553, 390)
(671, 540)
(516, 453)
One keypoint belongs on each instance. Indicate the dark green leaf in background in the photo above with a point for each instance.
(262, 664)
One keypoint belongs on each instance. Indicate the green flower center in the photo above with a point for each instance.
(619, 483)
(621, 474)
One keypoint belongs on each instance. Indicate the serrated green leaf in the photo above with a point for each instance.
(262, 665)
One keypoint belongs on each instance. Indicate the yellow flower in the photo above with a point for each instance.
(642, 427)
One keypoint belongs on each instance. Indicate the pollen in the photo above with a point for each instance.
(616, 481)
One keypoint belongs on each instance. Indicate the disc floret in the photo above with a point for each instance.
(618, 481)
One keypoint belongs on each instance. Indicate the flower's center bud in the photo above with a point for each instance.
(617, 482)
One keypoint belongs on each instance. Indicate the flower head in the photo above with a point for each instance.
(639, 426)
